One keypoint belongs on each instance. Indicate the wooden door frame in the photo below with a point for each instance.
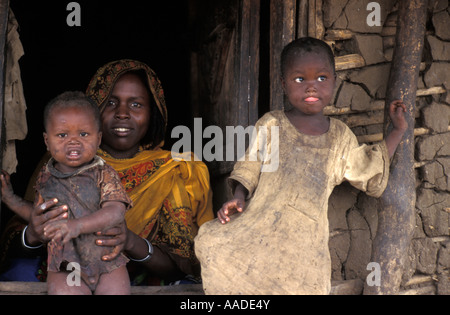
(4, 13)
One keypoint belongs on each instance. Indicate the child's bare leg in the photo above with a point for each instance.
(57, 285)
(117, 282)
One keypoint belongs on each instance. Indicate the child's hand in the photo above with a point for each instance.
(7, 190)
(230, 208)
(63, 230)
(396, 113)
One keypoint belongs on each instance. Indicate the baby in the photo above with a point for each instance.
(92, 192)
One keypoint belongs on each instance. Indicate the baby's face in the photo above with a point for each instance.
(72, 137)
(309, 82)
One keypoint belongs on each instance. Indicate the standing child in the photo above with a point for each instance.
(278, 243)
(91, 190)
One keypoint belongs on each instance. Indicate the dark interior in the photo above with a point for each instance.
(60, 58)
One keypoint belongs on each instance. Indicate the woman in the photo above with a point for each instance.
(170, 199)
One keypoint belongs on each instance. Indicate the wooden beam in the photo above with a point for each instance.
(282, 32)
(4, 11)
(302, 18)
(431, 91)
(248, 61)
(338, 34)
(349, 62)
(40, 288)
(379, 104)
(347, 287)
(379, 136)
(316, 28)
(396, 216)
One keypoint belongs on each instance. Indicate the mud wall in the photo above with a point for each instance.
(363, 55)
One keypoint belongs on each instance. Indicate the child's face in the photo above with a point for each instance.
(72, 137)
(309, 82)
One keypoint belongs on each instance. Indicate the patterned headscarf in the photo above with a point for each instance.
(102, 83)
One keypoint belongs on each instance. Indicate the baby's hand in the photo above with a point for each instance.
(7, 190)
(396, 113)
(230, 208)
(63, 230)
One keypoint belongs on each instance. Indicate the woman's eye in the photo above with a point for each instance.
(298, 80)
(321, 78)
(136, 105)
(111, 103)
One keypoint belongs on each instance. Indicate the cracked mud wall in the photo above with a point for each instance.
(359, 101)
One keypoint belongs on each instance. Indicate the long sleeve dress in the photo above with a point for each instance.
(279, 244)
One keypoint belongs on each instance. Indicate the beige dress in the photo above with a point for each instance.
(279, 244)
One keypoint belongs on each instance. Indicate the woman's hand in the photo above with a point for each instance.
(116, 238)
(42, 214)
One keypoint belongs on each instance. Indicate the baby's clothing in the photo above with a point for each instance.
(83, 191)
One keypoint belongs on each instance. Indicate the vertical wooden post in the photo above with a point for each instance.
(315, 19)
(282, 32)
(396, 218)
(248, 61)
(4, 10)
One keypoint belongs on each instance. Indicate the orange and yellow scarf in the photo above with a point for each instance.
(153, 179)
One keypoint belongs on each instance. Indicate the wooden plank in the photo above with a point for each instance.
(302, 19)
(379, 136)
(4, 11)
(364, 119)
(331, 110)
(338, 34)
(316, 28)
(346, 287)
(282, 32)
(431, 91)
(249, 60)
(40, 288)
(350, 61)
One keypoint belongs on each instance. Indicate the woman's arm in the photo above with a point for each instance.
(42, 214)
(159, 263)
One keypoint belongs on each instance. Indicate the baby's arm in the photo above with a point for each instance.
(397, 114)
(19, 206)
(110, 214)
(235, 205)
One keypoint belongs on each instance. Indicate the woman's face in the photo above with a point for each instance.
(126, 117)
